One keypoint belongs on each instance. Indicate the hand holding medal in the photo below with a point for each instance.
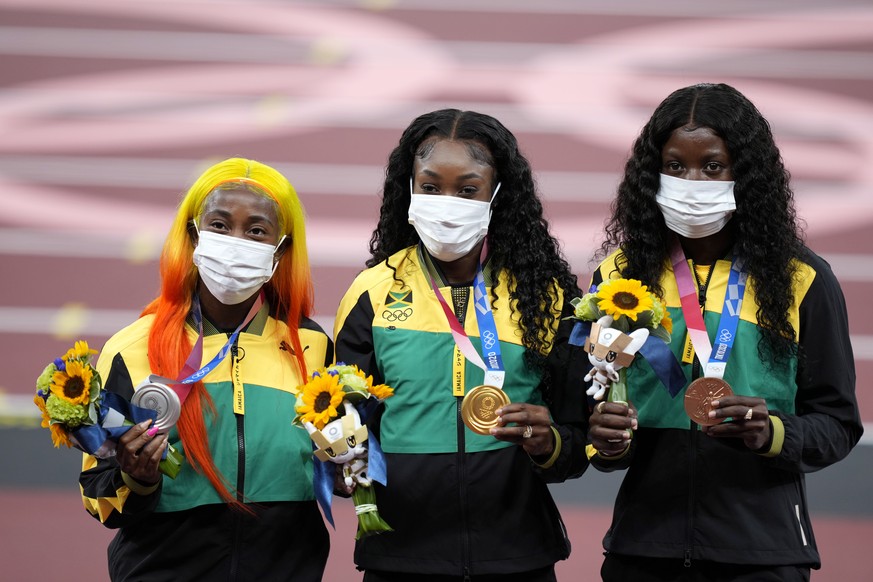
(747, 418)
(479, 408)
(156, 394)
(699, 397)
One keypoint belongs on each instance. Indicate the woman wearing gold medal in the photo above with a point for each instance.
(714, 488)
(468, 330)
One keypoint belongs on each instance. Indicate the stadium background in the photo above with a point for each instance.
(110, 108)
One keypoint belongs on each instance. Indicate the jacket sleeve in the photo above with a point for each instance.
(826, 424)
(565, 394)
(108, 494)
(114, 498)
(354, 334)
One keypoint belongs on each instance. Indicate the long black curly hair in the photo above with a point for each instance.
(765, 227)
(518, 236)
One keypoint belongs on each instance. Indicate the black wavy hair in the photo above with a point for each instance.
(765, 227)
(518, 235)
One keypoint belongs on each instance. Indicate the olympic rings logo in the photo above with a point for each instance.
(397, 314)
(488, 339)
(725, 336)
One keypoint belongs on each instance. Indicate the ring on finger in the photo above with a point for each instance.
(528, 432)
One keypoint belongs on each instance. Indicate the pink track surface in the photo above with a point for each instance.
(75, 544)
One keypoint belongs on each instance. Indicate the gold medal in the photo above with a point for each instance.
(479, 407)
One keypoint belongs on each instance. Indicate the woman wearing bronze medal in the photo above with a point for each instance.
(468, 330)
(222, 349)
(715, 485)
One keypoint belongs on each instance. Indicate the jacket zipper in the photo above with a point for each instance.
(689, 520)
(461, 313)
(462, 494)
(692, 433)
(241, 473)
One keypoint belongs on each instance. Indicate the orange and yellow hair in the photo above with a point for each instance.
(289, 293)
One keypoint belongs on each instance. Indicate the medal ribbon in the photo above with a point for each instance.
(730, 315)
(190, 372)
(494, 372)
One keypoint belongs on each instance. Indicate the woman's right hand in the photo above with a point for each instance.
(340, 488)
(139, 451)
(609, 427)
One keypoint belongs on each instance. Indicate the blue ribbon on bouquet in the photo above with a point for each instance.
(113, 417)
(324, 472)
(656, 352)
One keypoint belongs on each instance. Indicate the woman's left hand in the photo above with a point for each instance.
(750, 420)
(533, 430)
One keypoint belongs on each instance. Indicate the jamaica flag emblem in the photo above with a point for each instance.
(398, 306)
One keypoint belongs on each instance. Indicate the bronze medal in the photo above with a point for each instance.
(699, 396)
(479, 407)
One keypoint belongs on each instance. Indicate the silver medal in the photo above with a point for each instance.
(158, 396)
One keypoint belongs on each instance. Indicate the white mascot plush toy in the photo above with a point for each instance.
(609, 350)
(341, 441)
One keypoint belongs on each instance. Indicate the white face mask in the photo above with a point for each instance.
(449, 226)
(232, 268)
(695, 208)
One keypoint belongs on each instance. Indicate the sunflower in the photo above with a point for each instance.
(626, 297)
(666, 322)
(74, 384)
(60, 436)
(320, 399)
(40, 403)
(381, 391)
(80, 351)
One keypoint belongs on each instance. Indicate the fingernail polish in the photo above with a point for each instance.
(152, 431)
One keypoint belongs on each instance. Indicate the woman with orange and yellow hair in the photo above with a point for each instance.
(235, 280)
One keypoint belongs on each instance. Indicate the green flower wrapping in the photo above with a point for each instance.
(369, 520)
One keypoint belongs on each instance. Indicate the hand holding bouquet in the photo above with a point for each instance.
(81, 413)
(331, 407)
(623, 314)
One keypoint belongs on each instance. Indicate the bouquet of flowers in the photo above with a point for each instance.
(333, 406)
(81, 413)
(623, 315)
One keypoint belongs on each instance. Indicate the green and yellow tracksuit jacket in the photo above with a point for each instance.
(181, 529)
(689, 496)
(459, 502)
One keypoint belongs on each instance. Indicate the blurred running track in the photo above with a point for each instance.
(110, 108)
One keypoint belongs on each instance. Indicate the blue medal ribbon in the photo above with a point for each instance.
(728, 322)
(487, 326)
(493, 363)
(182, 385)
